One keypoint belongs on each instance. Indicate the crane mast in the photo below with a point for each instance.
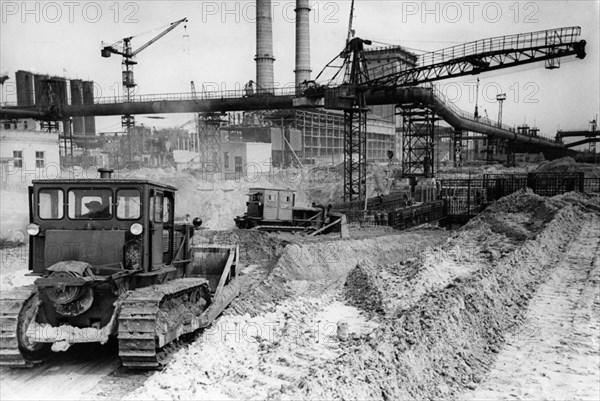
(128, 121)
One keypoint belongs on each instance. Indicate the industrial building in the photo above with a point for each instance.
(26, 155)
(312, 137)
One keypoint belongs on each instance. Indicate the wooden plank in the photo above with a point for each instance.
(338, 221)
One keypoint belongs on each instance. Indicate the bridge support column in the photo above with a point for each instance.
(511, 151)
(492, 149)
(355, 153)
(418, 142)
(458, 151)
(67, 138)
(209, 142)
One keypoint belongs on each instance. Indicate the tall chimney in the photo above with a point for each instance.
(302, 42)
(264, 47)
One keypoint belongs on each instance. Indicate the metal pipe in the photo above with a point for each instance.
(15, 114)
(564, 134)
(373, 97)
(302, 70)
(180, 106)
(426, 97)
(265, 80)
(582, 142)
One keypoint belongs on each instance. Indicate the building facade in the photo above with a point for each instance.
(28, 155)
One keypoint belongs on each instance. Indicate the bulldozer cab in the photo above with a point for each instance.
(110, 224)
(271, 204)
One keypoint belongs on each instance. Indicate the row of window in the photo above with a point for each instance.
(14, 125)
(89, 204)
(40, 158)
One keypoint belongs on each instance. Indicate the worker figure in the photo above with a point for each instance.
(96, 210)
(249, 88)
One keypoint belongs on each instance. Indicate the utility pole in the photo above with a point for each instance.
(594, 128)
(477, 100)
(500, 98)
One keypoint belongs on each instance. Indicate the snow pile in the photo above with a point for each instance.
(243, 357)
(14, 267)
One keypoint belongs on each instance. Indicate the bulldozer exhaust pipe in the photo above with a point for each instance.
(105, 173)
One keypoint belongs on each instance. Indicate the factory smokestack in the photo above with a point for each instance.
(302, 42)
(264, 47)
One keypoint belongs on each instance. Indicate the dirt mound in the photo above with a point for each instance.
(569, 165)
(363, 288)
(256, 247)
(445, 342)
(311, 268)
(306, 267)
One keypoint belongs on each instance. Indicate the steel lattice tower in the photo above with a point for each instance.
(209, 141)
(355, 121)
(418, 140)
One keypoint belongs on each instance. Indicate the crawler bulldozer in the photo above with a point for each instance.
(111, 261)
(276, 210)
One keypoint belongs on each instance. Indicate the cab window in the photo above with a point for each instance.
(90, 204)
(128, 204)
(166, 210)
(50, 205)
(158, 207)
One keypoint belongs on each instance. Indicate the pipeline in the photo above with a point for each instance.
(582, 142)
(402, 95)
(15, 114)
(427, 97)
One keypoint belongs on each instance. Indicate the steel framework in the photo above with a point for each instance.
(457, 137)
(209, 141)
(418, 123)
(488, 55)
(355, 152)
(355, 122)
(350, 97)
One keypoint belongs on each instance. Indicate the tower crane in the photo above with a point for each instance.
(123, 47)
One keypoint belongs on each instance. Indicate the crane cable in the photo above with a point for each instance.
(162, 27)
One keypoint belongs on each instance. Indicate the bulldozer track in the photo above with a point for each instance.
(11, 306)
(141, 333)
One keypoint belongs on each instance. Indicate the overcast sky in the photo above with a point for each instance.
(64, 38)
